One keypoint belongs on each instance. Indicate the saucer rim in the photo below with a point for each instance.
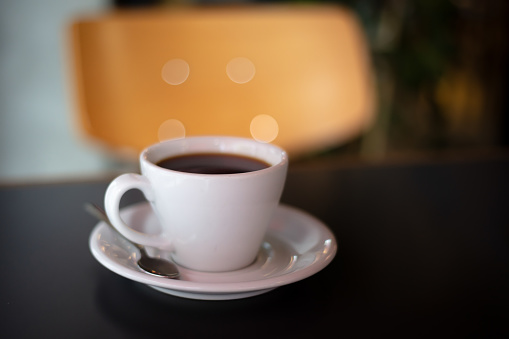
(223, 287)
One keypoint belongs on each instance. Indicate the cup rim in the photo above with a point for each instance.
(283, 161)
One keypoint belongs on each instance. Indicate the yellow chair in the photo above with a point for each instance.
(298, 76)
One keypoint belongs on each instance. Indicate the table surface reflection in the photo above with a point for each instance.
(423, 251)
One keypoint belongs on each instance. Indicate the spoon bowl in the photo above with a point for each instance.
(154, 266)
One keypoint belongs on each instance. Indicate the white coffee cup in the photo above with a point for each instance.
(210, 222)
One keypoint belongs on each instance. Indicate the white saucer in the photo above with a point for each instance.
(296, 246)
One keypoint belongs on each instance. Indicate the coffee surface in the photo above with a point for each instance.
(213, 163)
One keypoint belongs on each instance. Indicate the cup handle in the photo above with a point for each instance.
(114, 193)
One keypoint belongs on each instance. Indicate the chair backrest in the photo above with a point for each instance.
(298, 76)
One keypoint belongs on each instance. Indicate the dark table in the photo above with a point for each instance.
(423, 251)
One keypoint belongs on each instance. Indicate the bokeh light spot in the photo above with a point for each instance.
(171, 129)
(240, 70)
(175, 71)
(264, 128)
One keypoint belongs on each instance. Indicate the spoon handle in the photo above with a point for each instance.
(99, 213)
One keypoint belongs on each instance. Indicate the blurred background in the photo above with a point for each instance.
(441, 68)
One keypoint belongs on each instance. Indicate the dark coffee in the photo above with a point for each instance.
(212, 163)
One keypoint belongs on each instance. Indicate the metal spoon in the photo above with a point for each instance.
(154, 266)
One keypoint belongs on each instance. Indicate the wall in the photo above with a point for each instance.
(38, 139)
